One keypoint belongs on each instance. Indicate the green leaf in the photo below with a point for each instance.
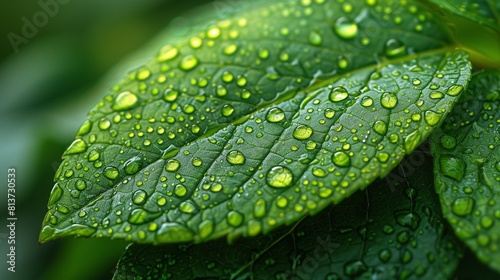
(388, 231)
(256, 122)
(486, 12)
(467, 167)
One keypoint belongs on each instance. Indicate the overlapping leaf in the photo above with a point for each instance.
(467, 167)
(485, 12)
(389, 231)
(257, 121)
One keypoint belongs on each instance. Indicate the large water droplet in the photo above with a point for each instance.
(111, 172)
(173, 232)
(235, 157)
(55, 194)
(78, 146)
(394, 47)
(412, 140)
(139, 197)
(338, 94)
(455, 90)
(275, 115)
(234, 218)
(380, 127)
(80, 185)
(124, 101)
(259, 208)
(205, 228)
(448, 142)
(84, 128)
(452, 167)
(389, 100)
(180, 190)
(302, 132)
(167, 53)
(345, 28)
(462, 206)
(133, 165)
(341, 159)
(432, 118)
(141, 216)
(188, 62)
(408, 219)
(279, 177)
(172, 165)
(354, 268)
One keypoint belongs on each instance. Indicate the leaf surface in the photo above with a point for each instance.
(486, 12)
(388, 231)
(256, 122)
(467, 167)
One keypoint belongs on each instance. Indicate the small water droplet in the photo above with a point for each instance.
(345, 28)
(302, 132)
(394, 47)
(227, 110)
(315, 38)
(235, 157)
(197, 162)
(230, 49)
(170, 95)
(124, 101)
(385, 255)
(279, 177)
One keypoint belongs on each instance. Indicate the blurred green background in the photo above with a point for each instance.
(46, 90)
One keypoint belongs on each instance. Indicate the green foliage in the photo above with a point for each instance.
(271, 115)
(364, 236)
(486, 12)
(467, 167)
